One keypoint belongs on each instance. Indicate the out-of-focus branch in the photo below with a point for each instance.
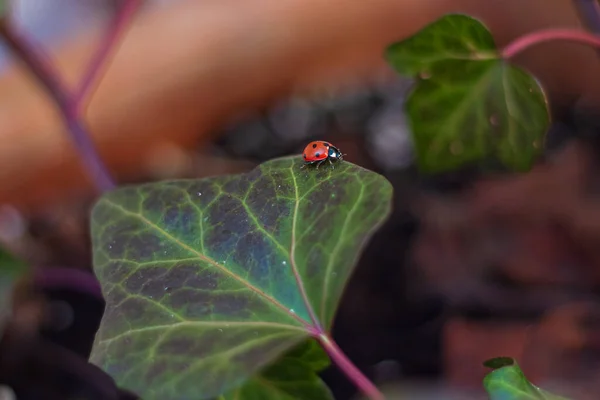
(589, 10)
(69, 104)
(108, 43)
(38, 64)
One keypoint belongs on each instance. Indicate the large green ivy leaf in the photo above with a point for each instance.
(11, 269)
(208, 281)
(507, 382)
(292, 377)
(468, 104)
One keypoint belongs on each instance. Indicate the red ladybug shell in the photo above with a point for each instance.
(316, 151)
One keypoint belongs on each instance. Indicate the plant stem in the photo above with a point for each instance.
(69, 104)
(353, 373)
(38, 64)
(107, 44)
(533, 38)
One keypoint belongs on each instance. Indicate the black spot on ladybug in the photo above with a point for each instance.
(314, 145)
(326, 144)
(317, 154)
(304, 155)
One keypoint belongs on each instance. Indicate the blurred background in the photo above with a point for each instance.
(468, 267)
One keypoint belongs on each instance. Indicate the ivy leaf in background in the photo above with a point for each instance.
(293, 376)
(11, 269)
(209, 281)
(468, 104)
(507, 382)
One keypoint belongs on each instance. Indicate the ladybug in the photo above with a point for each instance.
(318, 152)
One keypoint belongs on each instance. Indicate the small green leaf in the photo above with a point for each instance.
(11, 269)
(467, 111)
(453, 37)
(468, 105)
(292, 377)
(209, 281)
(509, 383)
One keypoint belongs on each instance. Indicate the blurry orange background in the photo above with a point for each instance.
(185, 69)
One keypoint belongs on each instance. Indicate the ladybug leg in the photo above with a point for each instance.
(331, 163)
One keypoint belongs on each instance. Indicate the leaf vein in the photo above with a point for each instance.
(333, 254)
(208, 260)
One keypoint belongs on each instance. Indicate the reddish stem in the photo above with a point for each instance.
(353, 373)
(533, 38)
(113, 33)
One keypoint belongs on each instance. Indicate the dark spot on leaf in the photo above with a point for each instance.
(232, 304)
(177, 345)
(204, 280)
(236, 185)
(144, 312)
(142, 247)
(179, 275)
(154, 288)
(156, 370)
(192, 304)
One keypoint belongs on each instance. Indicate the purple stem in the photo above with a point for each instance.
(589, 11)
(43, 70)
(113, 33)
(69, 104)
(353, 373)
